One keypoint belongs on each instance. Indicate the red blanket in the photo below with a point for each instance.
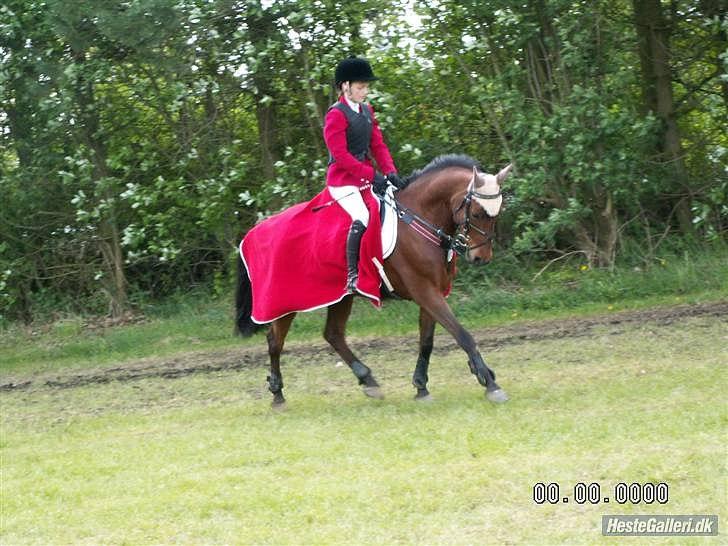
(296, 260)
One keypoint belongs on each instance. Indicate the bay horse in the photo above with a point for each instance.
(449, 206)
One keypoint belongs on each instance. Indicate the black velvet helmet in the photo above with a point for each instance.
(354, 69)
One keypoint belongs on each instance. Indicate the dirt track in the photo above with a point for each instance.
(317, 353)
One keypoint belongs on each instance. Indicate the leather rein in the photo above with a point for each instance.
(459, 242)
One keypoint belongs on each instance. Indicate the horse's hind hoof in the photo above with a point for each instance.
(373, 392)
(425, 398)
(279, 406)
(498, 396)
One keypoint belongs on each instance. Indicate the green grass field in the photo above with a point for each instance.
(203, 459)
(503, 293)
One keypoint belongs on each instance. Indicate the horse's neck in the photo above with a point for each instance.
(436, 196)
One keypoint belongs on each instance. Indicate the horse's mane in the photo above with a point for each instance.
(443, 162)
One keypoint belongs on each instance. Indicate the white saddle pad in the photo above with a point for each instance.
(389, 224)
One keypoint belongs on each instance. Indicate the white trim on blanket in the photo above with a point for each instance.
(322, 306)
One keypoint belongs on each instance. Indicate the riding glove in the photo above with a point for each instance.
(380, 184)
(396, 181)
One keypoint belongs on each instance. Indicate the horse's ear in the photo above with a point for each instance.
(472, 184)
(501, 176)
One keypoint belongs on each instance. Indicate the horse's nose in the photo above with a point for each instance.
(478, 260)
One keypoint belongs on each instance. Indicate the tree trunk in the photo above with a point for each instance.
(548, 80)
(109, 241)
(606, 231)
(266, 137)
(653, 35)
(550, 83)
(262, 26)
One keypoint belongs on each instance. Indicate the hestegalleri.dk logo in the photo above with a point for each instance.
(663, 525)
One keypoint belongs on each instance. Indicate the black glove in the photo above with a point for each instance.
(380, 184)
(396, 181)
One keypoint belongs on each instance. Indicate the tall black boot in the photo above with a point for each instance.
(353, 242)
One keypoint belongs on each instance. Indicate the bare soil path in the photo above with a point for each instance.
(196, 362)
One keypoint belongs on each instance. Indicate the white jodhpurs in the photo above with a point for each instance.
(350, 199)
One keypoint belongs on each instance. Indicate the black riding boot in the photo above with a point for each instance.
(353, 242)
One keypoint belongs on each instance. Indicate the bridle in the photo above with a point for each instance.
(462, 233)
(458, 243)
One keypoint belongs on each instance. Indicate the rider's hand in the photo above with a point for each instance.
(380, 184)
(396, 181)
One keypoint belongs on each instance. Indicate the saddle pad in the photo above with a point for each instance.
(389, 223)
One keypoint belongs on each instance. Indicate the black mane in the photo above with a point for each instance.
(444, 162)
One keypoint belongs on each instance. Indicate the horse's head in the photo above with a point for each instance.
(476, 214)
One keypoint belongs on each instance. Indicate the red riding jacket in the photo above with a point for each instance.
(346, 169)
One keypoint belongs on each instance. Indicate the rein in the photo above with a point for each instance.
(458, 243)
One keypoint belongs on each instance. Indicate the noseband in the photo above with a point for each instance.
(458, 243)
(461, 240)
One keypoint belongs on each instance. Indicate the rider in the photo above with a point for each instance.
(353, 138)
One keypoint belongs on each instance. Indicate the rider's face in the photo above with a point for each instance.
(356, 91)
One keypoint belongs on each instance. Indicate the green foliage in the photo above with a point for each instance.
(134, 135)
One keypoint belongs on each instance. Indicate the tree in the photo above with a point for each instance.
(653, 34)
(134, 131)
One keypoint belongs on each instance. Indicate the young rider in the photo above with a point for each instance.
(353, 138)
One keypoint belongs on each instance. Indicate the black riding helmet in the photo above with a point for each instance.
(353, 69)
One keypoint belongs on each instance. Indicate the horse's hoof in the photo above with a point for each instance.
(373, 392)
(497, 396)
(425, 398)
(279, 406)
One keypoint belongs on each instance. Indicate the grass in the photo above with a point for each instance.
(203, 460)
(497, 294)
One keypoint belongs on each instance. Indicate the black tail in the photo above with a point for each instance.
(244, 324)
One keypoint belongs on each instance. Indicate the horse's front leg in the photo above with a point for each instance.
(335, 334)
(427, 333)
(434, 303)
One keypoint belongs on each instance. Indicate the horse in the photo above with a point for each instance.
(447, 207)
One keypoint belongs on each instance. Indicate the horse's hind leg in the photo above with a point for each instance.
(276, 337)
(334, 333)
(427, 333)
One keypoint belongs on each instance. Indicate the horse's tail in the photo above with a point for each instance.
(244, 324)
